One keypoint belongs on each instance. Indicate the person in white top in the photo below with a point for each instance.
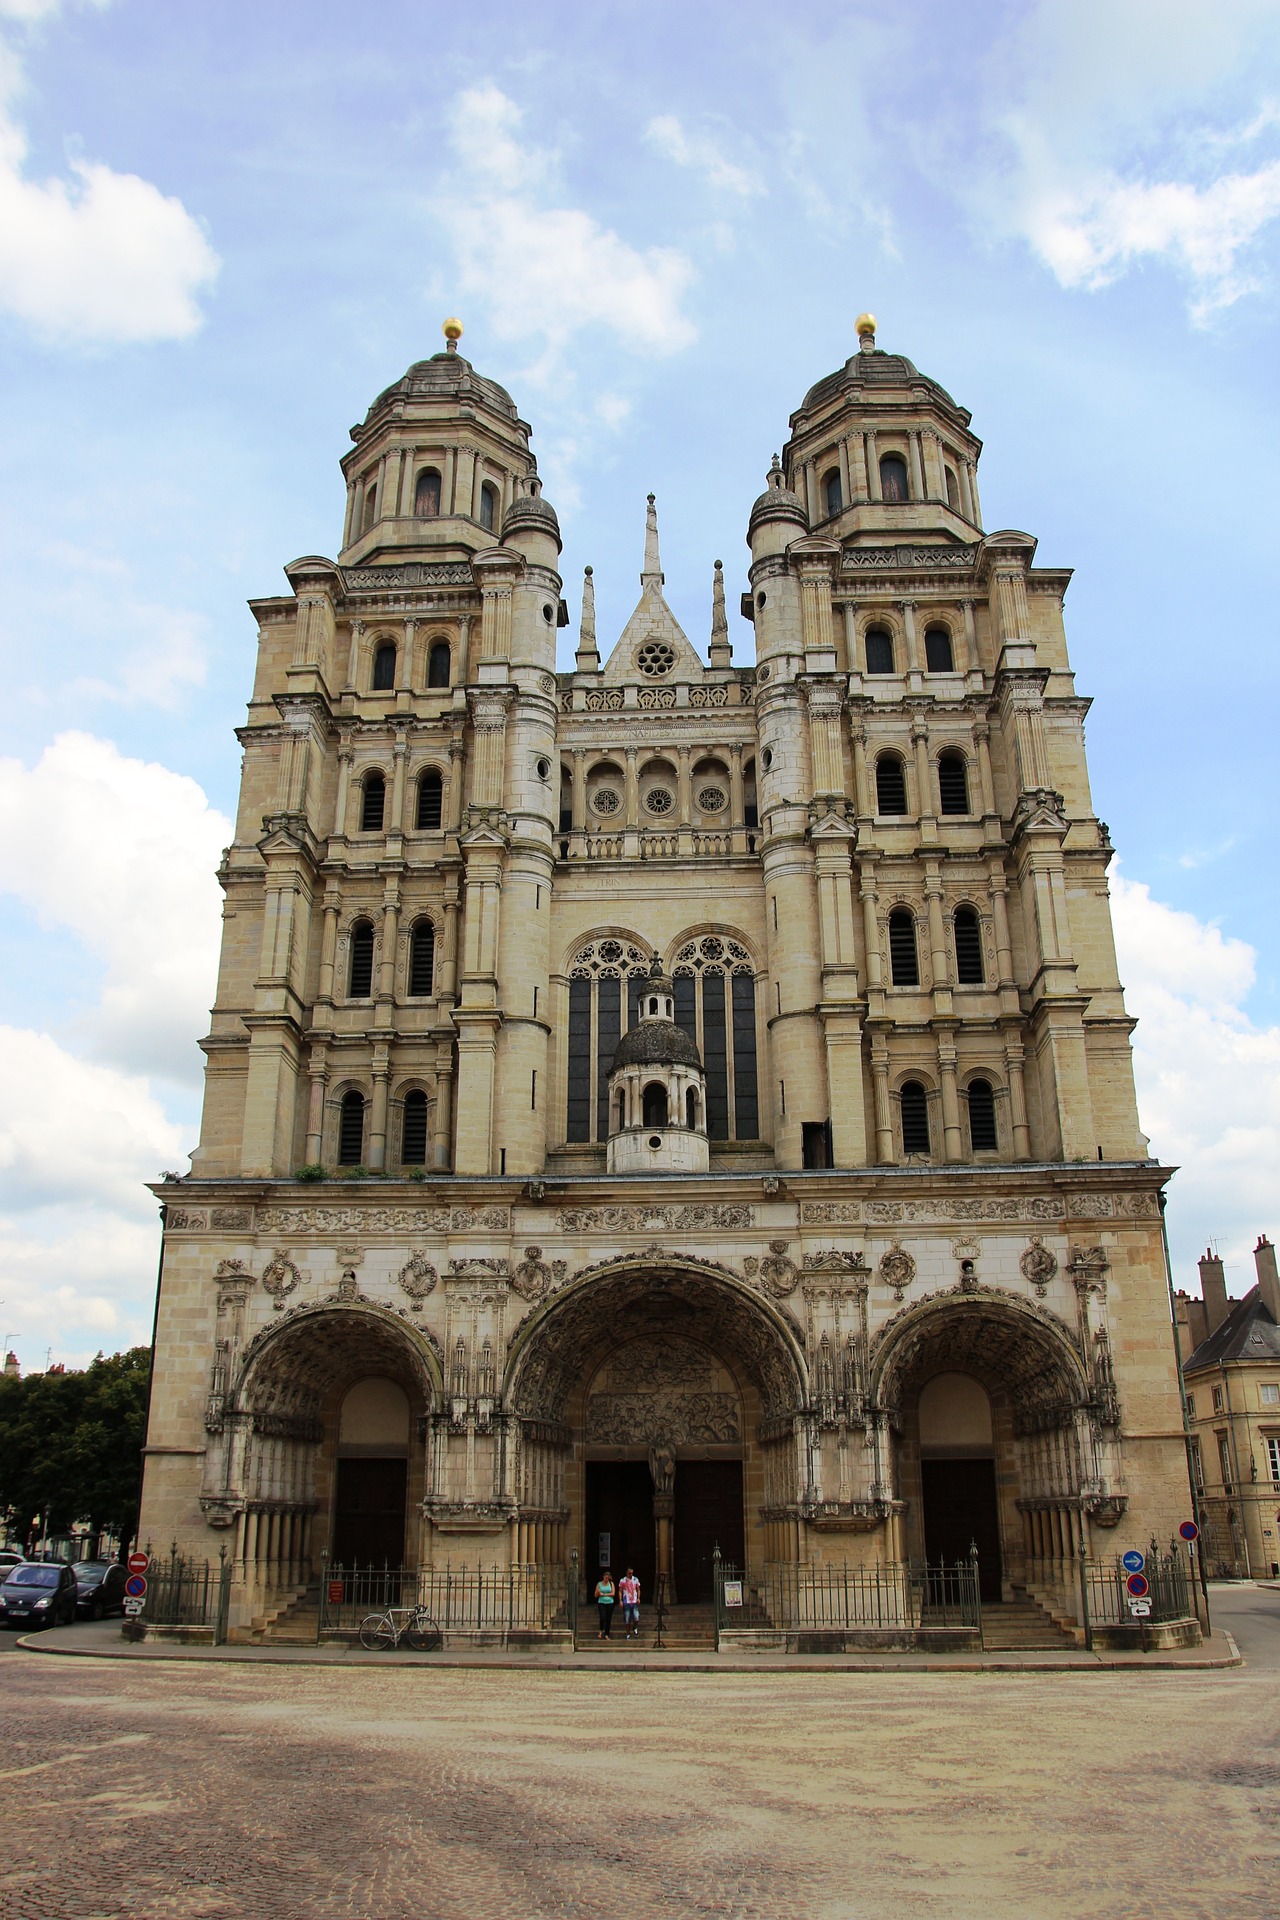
(629, 1594)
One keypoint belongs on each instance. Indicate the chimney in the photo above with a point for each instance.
(1213, 1288)
(1264, 1259)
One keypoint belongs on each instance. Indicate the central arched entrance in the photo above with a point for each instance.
(660, 1382)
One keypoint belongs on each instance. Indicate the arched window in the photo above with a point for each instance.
(953, 783)
(360, 978)
(620, 1110)
(691, 1108)
(915, 1117)
(373, 800)
(384, 668)
(438, 665)
(430, 802)
(893, 477)
(879, 643)
(938, 655)
(426, 494)
(351, 1130)
(953, 489)
(488, 507)
(904, 967)
(413, 1134)
(833, 493)
(655, 1105)
(422, 958)
(891, 784)
(968, 947)
(370, 508)
(982, 1117)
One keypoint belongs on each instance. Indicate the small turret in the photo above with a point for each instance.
(657, 1090)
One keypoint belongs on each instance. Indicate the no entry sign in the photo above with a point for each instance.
(138, 1562)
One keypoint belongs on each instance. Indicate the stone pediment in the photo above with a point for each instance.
(640, 646)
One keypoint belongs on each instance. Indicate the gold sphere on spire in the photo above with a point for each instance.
(452, 330)
(866, 324)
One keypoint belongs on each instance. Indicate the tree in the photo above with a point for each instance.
(71, 1445)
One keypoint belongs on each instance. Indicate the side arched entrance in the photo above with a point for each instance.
(645, 1397)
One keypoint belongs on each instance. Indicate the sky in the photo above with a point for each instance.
(224, 229)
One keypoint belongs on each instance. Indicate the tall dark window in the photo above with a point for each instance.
(938, 655)
(430, 801)
(691, 1108)
(426, 495)
(953, 489)
(833, 493)
(655, 1105)
(488, 507)
(953, 783)
(422, 958)
(893, 478)
(915, 1117)
(608, 1034)
(360, 978)
(891, 785)
(968, 934)
(413, 1134)
(579, 1107)
(879, 643)
(745, 1094)
(715, 1056)
(903, 964)
(351, 1130)
(982, 1117)
(370, 509)
(438, 664)
(373, 800)
(815, 1144)
(384, 668)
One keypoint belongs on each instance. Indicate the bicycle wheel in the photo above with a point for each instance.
(377, 1632)
(423, 1634)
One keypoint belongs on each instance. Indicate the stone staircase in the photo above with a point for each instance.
(685, 1630)
(1021, 1625)
(295, 1624)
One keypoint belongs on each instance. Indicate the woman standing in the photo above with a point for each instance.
(606, 1595)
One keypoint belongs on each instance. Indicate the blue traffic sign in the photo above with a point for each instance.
(1133, 1561)
(1189, 1530)
(1138, 1585)
(135, 1586)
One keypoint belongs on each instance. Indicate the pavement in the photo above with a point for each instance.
(221, 1788)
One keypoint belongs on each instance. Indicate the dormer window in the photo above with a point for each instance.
(384, 669)
(833, 493)
(426, 495)
(893, 478)
(488, 507)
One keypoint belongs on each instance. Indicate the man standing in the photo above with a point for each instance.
(629, 1594)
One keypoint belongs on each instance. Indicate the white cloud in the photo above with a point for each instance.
(1208, 1076)
(99, 257)
(701, 153)
(548, 272)
(122, 853)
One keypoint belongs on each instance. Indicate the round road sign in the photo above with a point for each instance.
(138, 1562)
(136, 1585)
(1138, 1585)
(1133, 1561)
(1189, 1530)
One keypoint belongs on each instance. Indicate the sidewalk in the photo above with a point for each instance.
(102, 1640)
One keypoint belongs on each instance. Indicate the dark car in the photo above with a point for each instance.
(99, 1587)
(41, 1593)
(9, 1558)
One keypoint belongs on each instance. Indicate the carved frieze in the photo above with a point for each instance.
(668, 1219)
(942, 1211)
(383, 1219)
(184, 1219)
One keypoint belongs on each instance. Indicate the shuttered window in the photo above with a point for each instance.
(351, 1130)
(938, 656)
(953, 783)
(968, 934)
(360, 979)
(982, 1116)
(413, 1137)
(891, 785)
(430, 802)
(422, 959)
(903, 964)
(579, 1110)
(373, 801)
(915, 1117)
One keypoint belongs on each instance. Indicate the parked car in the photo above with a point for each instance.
(40, 1593)
(9, 1557)
(99, 1587)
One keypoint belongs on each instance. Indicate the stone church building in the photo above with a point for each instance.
(681, 1101)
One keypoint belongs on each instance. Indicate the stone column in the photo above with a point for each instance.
(917, 469)
(873, 465)
(378, 1109)
(318, 1068)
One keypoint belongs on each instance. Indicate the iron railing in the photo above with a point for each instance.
(822, 1599)
(184, 1592)
(1105, 1595)
(500, 1600)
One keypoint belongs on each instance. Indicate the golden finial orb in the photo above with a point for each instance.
(866, 324)
(452, 331)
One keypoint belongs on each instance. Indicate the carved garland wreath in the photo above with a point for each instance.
(897, 1269)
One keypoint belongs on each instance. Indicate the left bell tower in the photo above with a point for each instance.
(382, 993)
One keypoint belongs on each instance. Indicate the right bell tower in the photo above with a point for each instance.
(936, 900)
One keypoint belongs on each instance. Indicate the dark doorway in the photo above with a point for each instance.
(708, 1514)
(959, 1507)
(620, 1503)
(368, 1521)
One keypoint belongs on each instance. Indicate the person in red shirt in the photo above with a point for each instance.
(629, 1594)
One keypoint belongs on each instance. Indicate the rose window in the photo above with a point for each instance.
(655, 658)
(606, 801)
(658, 800)
(711, 799)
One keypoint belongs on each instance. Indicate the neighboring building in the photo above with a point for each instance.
(1231, 1367)
(719, 1075)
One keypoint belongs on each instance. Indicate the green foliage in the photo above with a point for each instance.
(71, 1444)
(312, 1171)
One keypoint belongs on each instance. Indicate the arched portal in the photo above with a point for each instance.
(655, 1400)
(990, 1410)
(323, 1450)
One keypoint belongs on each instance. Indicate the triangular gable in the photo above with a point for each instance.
(652, 621)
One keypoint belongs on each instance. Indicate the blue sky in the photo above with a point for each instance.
(223, 230)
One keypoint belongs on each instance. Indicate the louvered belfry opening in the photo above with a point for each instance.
(915, 1117)
(351, 1130)
(982, 1117)
(430, 802)
(891, 785)
(903, 964)
(422, 959)
(413, 1138)
(953, 783)
(968, 934)
(373, 801)
(360, 982)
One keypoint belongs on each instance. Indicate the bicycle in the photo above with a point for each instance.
(382, 1631)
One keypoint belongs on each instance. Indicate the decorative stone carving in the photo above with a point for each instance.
(280, 1277)
(605, 700)
(1113, 1206)
(943, 1211)
(709, 696)
(233, 1270)
(778, 1273)
(533, 1278)
(897, 1269)
(1088, 1267)
(673, 1418)
(642, 1219)
(417, 1277)
(1039, 1265)
(662, 1467)
(967, 1253)
(1106, 1509)
(350, 1256)
(183, 1220)
(645, 1366)
(770, 1185)
(371, 1219)
(234, 1219)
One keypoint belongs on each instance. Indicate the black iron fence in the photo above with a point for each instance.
(184, 1592)
(1107, 1601)
(822, 1599)
(489, 1600)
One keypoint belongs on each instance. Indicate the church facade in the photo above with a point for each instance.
(676, 1103)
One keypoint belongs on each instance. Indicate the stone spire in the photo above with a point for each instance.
(721, 652)
(587, 657)
(653, 575)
